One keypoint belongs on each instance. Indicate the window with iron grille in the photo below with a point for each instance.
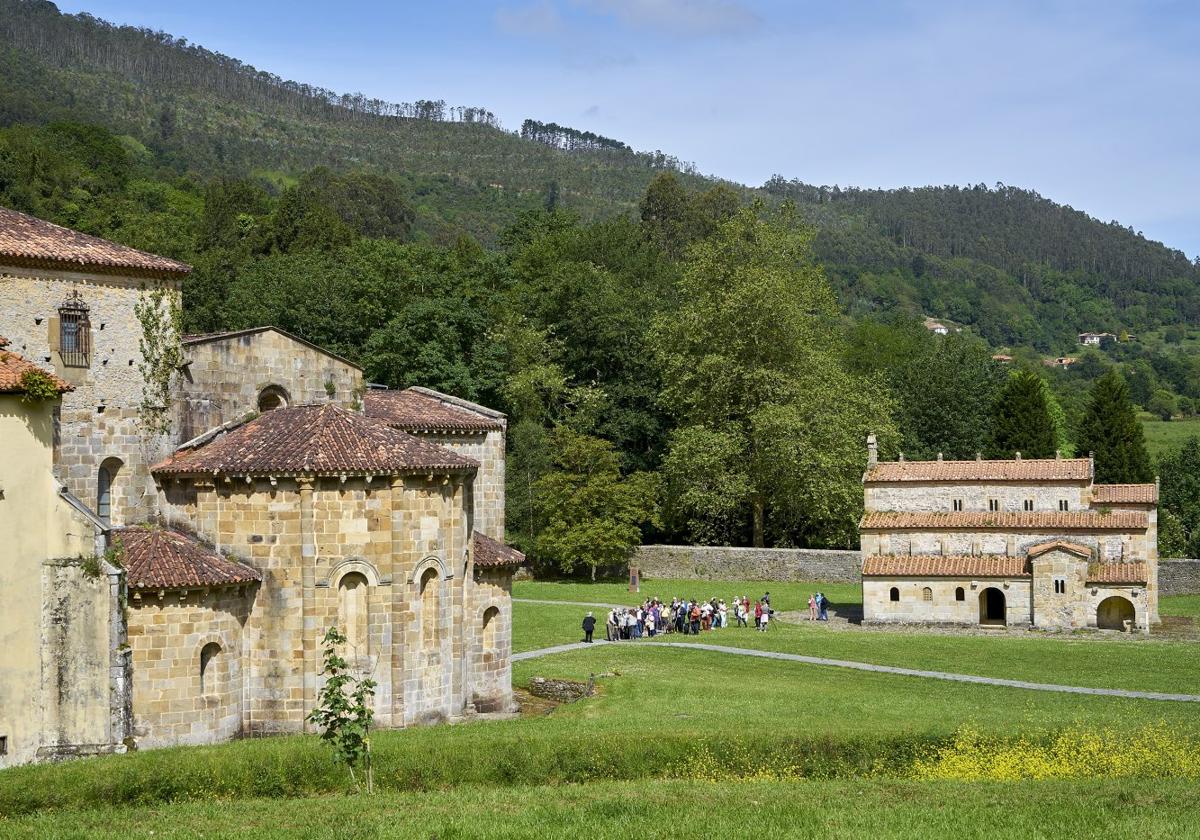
(74, 332)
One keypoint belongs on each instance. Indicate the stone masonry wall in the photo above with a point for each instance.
(1010, 496)
(1179, 577)
(99, 419)
(171, 703)
(226, 376)
(488, 488)
(721, 563)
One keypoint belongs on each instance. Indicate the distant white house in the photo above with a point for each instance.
(1092, 339)
(936, 327)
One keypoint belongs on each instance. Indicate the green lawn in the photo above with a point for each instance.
(672, 735)
(1162, 436)
(791, 595)
(1148, 810)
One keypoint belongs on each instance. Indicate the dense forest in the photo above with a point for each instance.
(681, 358)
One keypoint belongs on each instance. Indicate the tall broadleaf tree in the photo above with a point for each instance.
(752, 363)
(1110, 429)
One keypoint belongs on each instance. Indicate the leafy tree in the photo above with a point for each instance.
(344, 710)
(1111, 431)
(754, 353)
(1163, 403)
(1022, 420)
(707, 486)
(1172, 536)
(592, 515)
(1180, 497)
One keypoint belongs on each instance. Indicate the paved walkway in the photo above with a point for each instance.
(881, 669)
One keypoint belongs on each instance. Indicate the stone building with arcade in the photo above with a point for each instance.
(286, 498)
(1021, 542)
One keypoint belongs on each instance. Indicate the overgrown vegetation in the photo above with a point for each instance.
(37, 386)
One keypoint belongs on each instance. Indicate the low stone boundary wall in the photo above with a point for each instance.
(1179, 577)
(702, 562)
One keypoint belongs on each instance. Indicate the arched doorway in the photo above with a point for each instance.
(273, 397)
(992, 607)
(1113, 612)
(106, 478)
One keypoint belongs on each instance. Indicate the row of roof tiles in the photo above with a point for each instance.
(27, 240)
(987, 566)
(1023, 469)
(158, 558)
(14, 366)
(1080, 520)
(312, 439)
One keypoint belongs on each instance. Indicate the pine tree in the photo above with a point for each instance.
(1022, 420)
(1111, 431)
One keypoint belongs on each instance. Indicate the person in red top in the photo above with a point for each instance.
(758, 611)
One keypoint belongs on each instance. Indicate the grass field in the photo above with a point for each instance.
(1162, 436)
(678, 735)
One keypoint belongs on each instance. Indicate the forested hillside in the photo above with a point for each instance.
(680, 358)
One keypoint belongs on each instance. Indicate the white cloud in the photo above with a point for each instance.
(680, 17)
(539, 19)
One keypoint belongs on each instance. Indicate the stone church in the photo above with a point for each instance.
(287, 498)
(1023, 542)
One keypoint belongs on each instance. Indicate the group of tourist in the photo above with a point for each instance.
(686, 616)
(690, 617)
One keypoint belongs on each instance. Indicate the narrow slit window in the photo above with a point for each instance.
(993, 505)
(958, 504)
(1029, 504)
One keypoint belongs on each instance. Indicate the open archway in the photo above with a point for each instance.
(273, 397)
(992, 610)
(1113, 612)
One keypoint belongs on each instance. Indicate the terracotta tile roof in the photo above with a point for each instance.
(1128, 494)
(949, 565)
(419, 410)
(13, 366)
(1079, 520)
(156, 558)
(314, 439)
(1059, 545)
(490, 553)
(27, 240)
(1117, 573)
(1033, 469)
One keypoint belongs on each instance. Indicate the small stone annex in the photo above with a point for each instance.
(1022, 542)
(182, 582)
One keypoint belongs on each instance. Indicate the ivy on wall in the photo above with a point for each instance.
(158, 310)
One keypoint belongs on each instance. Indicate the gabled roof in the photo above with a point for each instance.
(1080, 520)
(315, 440)
(194, 339)
(30, 241)
(1117, 573)
(1059, 545)
(425, 410)
(1125, 494)
(13, 366)
(490, 553)
(1025, 469)
(944, 565)
(157, 558)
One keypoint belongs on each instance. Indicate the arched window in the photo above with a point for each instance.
(106, 476)
(209, 661)
(273, 397)
(926, 594)
(960, 594)
(74, 332)
(353, 614)
(491, 628)
(429, 608)
(894, 594)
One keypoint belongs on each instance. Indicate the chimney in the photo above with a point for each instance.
(901, 457)
(1018, 456)
(872, 451)
(1057, 454)
(1092, 466)
(939, 456)
(978, 456)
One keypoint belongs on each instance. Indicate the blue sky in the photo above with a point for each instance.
(1093, 104)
